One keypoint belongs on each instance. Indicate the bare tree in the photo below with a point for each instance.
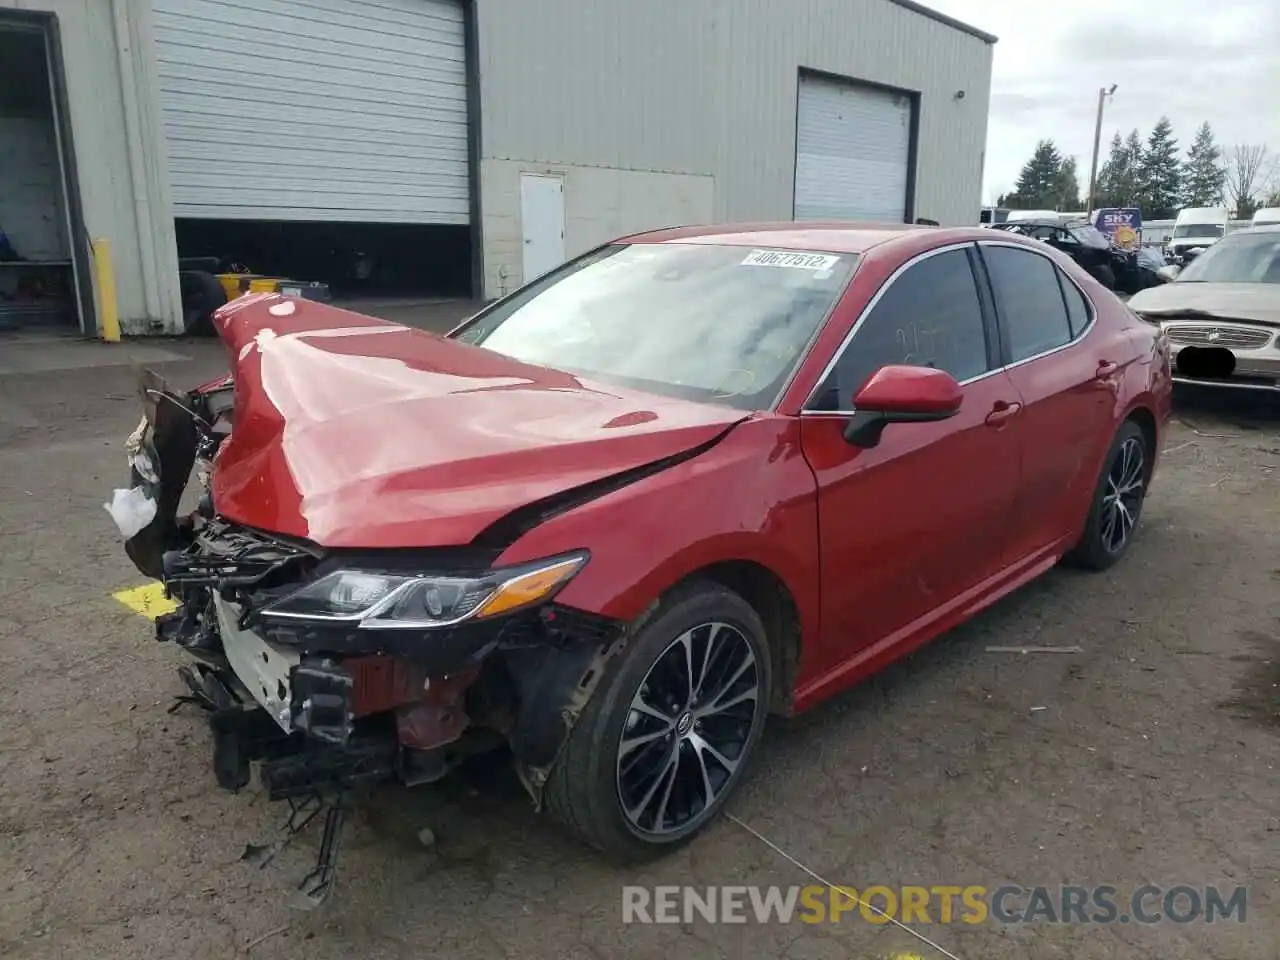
(1247, 169)
(1271, 185)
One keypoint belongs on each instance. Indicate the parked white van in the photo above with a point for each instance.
(1195, 229)
(1266, 215)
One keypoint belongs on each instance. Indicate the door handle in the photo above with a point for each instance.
(1001, 411)
(1105, 369)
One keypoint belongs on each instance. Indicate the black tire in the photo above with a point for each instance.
(1097, 548)
(1104, 275)
(202, 294)
(584, 791)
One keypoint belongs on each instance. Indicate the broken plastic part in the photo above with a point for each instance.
(131, 510)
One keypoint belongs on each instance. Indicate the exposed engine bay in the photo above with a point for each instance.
(330, 671)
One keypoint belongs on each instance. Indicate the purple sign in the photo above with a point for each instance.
(1122, 226)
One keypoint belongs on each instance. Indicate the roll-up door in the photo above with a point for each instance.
(853, 152)
(315, 110)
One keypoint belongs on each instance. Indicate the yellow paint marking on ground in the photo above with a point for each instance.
(148, 600)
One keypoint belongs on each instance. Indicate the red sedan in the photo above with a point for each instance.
(615, 519)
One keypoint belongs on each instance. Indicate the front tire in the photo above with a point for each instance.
(1117, 501)
(672, 729)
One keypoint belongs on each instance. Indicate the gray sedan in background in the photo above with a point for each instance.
(1222, 312)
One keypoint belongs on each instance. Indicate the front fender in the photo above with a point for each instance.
(751, 497)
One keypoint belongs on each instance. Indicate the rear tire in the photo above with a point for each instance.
(648, 765)
(1117, 501)
(1105, 276)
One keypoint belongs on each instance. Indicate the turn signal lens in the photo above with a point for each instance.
(529, 588)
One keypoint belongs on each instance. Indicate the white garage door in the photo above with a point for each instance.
(315, 109)
(853, 151)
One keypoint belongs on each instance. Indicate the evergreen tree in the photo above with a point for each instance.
(1118, 178)
(1067, 186)
(1160, 174)
(1203, 175)
(1105, 190)
(1040, 182)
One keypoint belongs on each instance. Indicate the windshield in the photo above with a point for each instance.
(692, 320)
(1089, 234)
(1198, 230)
(1240, 258)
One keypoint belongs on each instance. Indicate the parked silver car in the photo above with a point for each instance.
(1222, 312)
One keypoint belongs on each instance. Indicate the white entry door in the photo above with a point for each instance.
(542, 223)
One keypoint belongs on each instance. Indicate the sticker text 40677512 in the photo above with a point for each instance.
(816, 262)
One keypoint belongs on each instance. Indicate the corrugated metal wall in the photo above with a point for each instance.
(710, 88)
(325, 110)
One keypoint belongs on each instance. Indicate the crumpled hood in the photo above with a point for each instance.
(354, 432)
(1258, 302)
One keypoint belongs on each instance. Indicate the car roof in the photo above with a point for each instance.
(825, 236)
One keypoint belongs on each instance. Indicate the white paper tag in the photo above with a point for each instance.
(790, 258)
(132, 510)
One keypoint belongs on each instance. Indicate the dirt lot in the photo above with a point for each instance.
(1151, 756)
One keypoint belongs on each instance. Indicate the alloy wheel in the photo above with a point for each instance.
(1122, 497)
(687, 730)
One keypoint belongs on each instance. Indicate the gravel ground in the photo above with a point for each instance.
(1151, 756)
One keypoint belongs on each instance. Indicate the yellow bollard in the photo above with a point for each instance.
(108, 311)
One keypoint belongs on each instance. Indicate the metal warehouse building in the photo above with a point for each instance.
(453, 147)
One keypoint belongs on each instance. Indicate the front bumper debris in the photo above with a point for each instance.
(323, 714)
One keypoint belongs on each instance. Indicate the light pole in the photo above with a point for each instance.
(1103, 93)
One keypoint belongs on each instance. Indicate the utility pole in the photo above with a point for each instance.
(1103, 93)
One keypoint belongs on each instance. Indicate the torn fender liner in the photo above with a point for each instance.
(555, 685)
(168, 437)
(351, 432)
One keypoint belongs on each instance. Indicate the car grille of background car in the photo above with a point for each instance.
(1240, 337)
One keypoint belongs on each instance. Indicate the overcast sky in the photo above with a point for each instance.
(1194, 60)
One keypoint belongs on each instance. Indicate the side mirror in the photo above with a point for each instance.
(1168, 272)
(901, 394)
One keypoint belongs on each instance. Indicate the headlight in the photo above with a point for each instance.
(394, 601)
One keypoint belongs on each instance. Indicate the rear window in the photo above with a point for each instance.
(1088, 234)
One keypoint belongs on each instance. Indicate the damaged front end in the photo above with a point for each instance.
(335, 670)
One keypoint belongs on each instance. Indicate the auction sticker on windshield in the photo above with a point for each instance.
(788, 258)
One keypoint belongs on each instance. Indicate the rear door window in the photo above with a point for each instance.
(1077, 306)
(1029, 300)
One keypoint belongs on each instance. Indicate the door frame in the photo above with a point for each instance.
(46, 24)
(524, 236)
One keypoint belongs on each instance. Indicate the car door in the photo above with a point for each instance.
(1067, 377)
(907, 525)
